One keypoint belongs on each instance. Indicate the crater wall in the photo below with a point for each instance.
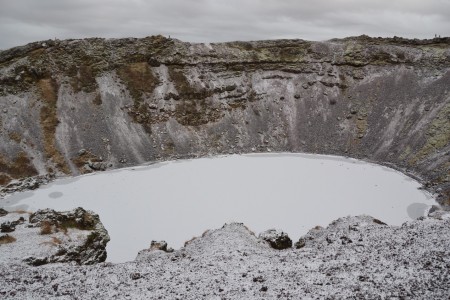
(76, 106)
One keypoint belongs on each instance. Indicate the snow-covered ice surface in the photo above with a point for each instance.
(354, 258)
(174, 201)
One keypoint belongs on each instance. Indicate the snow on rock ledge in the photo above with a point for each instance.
(49, 237)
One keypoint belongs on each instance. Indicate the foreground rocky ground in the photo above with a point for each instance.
(354, 257)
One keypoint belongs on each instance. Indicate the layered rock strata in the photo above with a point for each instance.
(76, 106)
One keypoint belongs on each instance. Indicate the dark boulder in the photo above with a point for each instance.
(277, 239)
(11, 226)
(7, 227)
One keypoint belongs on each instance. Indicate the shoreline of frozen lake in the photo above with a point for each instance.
(177, 200)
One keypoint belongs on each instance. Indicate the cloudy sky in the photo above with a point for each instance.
(23, 21)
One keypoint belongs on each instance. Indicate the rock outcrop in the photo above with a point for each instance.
(277, 239)
(28, 183)
(50, 237)
(154, 246)
(77, 106)
(353, 258)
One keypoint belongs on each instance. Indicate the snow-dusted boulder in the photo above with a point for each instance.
(161, 245)
(50, 237)
(277, 239)
(154, 249)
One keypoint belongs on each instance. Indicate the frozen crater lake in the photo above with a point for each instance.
(174, 201)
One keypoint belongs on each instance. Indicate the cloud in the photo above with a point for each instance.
(23, 21)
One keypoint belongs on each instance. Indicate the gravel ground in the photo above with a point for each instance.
(354, 257)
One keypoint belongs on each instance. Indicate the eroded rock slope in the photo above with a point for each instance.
(76, 106)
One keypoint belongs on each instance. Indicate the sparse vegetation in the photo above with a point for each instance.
(438, 135)
(5, 179)
(20, 167)
(54, 242)
(83, 79)
(97, 99)
(49, 120)
(189, 241)
(81, 160)
(46, 227)
(193, 107)
(7, 239)
(15, 136)
(139, 79)
(379, 222)
(70, 223)
(21, 211)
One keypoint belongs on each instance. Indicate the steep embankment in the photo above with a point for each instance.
(75, 106)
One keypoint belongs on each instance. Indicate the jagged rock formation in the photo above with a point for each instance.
(76, 106)
(354, 257)
(50, 237)
(154, 246)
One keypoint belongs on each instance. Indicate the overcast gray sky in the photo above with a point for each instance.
(23, 21)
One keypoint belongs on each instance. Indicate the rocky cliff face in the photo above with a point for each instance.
(77, 106)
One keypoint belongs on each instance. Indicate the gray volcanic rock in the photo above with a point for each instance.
(277, 239)
(154, 246)
(10, 226)
(129, 101)
(159, 245)
(342, 231)
(411, 261)
(29, 183)
(50, 237)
